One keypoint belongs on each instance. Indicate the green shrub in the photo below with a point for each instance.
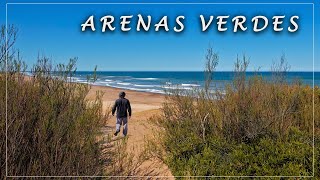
(256, 127)
(53, 130)
(187, 154)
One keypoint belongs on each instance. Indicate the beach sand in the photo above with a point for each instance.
(140, 101)
(144, 105)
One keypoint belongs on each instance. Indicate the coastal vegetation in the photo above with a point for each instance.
(48, 124)
(52, 129)
(254, 127)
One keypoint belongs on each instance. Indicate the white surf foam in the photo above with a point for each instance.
(146, 78)
(144, 85)
(124, 84)
(190, 85)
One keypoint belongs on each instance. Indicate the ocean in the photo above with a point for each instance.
(158, 82)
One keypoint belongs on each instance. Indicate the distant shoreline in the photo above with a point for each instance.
(162, 82)
(140, 101)
(121, 89)
(231, 71)
(94, 86)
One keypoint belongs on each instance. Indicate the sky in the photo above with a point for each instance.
(54, 30)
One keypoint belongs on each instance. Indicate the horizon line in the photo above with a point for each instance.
(316, 71)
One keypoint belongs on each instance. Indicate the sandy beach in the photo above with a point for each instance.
(140, 101)
(144, 105)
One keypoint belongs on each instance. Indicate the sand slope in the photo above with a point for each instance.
(143, 106)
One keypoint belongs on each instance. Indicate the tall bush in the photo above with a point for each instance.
(52, 129)
(254, 127)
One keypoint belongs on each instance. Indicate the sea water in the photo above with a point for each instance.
(158, 82)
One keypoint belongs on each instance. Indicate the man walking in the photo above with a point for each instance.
(122, 105)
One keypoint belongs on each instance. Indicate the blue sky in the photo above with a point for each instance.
(55, 31)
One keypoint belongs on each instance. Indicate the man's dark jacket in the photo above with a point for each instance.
(122, 105)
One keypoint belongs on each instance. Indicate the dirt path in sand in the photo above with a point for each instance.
(144, 105)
